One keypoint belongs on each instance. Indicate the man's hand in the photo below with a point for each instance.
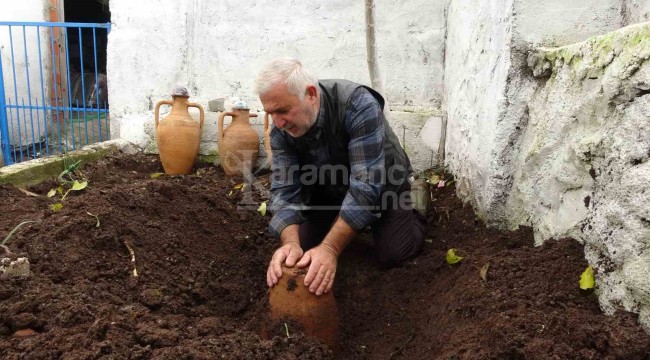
(322, 270)
(288, 253)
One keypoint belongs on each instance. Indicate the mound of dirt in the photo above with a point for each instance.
(200, 293)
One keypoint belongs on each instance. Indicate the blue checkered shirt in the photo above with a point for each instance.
(365, 128)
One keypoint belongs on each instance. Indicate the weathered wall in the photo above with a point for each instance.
(583, 167)
(28, 10)
(476, 80)
(635, 11)
(515, 178)
(487, 84)
(216, 50)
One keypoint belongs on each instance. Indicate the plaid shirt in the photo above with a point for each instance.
(365, 128)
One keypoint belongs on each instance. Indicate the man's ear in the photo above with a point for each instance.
(311, 92)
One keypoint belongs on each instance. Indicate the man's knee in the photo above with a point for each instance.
(392, 255)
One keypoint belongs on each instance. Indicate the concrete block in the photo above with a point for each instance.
(216, 105)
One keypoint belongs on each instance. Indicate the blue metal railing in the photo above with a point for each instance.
(63, 105)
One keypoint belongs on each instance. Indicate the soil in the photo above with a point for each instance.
(200, 292)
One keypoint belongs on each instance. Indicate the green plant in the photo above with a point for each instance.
(67, 178)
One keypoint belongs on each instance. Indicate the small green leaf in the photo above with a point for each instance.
(51, 193)
(156, 175)
(76, 185)
(262, 208)
(434, 179)
(60, 189)
(452, 258)
(56, 207)
(587, 278)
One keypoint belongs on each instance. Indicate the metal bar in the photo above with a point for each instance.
(67, 63)
(83, 83)
(40, 63)
(60, 108)
(11, 131)
(4, 128)
(56, 87)
(96, 81)
(29, 92)
(47, 107)
(56, 24)
(13, 68)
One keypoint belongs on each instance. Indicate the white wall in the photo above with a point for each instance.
(216, 50)
(561, 22)
(518, 144)
(635, 11)
(584, 168)
(27, 10)
(477, 65)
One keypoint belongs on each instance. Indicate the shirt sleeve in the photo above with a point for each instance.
(364, 122)
(285, 203)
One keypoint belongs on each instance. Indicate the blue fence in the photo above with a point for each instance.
(53, 88)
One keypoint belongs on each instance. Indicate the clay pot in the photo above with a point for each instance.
(178, 136)
(267, 140)
(289, 298)
(238, 144)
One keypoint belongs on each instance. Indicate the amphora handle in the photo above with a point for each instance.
(201, 114)
(157, 113)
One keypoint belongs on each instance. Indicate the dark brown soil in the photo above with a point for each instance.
(201, 294)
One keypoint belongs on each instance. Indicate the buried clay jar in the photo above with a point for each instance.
(291, 299)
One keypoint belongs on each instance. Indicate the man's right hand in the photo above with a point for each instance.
(288, 254)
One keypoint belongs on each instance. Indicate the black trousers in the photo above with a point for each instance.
(398, 234)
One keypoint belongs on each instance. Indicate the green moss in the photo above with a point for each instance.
(210, 158)
(45, 169)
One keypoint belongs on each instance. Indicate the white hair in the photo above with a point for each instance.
(288, 71)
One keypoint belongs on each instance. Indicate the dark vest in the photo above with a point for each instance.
(336, 94)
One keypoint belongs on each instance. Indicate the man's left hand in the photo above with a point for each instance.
(322, 261)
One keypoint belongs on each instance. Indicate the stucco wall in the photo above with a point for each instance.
(515, 178)
(28, 10)
(476, 79)
(584, 169)
(488, 85)
(635, 11)
(216, 50)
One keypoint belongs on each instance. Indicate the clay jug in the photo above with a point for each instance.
(178, 135)
(239, 143)
(267, 140)
(291, 299)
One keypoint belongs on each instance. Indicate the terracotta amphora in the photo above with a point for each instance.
(239, 143)
(267, 140)
(291, 299)
(178, 135)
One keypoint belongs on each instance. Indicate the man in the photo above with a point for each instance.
(338, 168)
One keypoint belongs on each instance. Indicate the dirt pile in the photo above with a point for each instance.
(200, 291)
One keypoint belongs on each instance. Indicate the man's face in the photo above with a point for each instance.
(288, 112)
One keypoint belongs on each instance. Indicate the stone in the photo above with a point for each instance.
(217, 105)
(18, 268)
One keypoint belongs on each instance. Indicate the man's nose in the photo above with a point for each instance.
(279, 121)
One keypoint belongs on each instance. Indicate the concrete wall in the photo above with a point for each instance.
(28, 10)
(216, 50)
(478, 62)
(635, 11)
(583, 167)
(519, 148)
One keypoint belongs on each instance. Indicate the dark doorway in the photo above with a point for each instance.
(87, 52)
(87, 11)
